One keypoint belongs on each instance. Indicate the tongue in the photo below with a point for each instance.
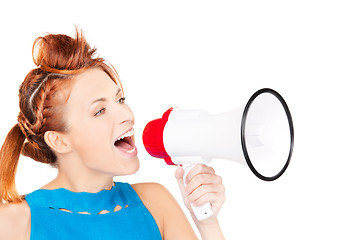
(123, 145)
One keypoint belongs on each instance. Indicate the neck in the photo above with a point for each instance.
(76, 177)
(83, 183)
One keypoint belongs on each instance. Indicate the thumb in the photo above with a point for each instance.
(179, 173)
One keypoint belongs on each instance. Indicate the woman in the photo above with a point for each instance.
(73, 117)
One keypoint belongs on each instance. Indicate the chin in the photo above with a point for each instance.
(135, 167)
(130, 167)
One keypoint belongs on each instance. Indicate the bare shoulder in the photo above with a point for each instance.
(166, 211)
(151, 191)
(15, 221)
(156, 197)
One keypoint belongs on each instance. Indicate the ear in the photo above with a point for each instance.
(57, 141)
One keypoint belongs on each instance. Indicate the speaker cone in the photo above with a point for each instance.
(267, 134)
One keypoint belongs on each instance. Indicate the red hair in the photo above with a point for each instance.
(42, 95)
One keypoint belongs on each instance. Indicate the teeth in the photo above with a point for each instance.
(127, 134)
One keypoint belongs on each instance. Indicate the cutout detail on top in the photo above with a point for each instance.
(116, 209)
(65, 210)
(103, 212)
(84, 213)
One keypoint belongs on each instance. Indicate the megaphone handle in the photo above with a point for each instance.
(201, 212)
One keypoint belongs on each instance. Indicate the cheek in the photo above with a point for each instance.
(90, 140)
(93, 150)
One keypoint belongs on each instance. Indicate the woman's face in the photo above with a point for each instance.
(97, 117)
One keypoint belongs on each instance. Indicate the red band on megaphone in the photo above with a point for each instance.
(153, 138)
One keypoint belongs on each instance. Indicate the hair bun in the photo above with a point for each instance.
(62, 52)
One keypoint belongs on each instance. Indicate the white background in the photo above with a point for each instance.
(213, 55)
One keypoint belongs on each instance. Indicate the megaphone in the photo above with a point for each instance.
(259, 135)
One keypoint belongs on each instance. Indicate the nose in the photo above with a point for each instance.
(122, 114)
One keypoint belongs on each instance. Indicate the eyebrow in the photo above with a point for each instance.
(103, 98)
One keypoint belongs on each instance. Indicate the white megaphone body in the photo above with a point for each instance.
(259, 134)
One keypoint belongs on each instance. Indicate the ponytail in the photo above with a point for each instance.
(9, 156)
(44, 155)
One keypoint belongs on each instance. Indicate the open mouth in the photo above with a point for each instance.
(125, 142)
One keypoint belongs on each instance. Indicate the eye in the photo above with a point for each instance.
(121, 100)
(99, 112)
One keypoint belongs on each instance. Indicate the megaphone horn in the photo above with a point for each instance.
(259, 134)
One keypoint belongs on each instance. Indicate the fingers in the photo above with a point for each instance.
(197, 170)
(202, 182)
(202, 186)
(207, 193)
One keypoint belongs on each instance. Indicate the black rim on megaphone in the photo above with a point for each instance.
(291, 128)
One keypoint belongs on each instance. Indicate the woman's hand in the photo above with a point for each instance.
(202, 186)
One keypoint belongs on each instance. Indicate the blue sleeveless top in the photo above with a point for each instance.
(64, 215)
